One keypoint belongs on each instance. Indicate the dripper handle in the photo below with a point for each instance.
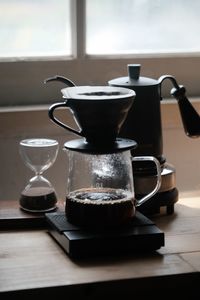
(51, 111)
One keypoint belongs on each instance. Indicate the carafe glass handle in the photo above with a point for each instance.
(158, 184)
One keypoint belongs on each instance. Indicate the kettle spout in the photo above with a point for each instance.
(63, 79)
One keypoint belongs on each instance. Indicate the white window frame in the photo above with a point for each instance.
(22, 78)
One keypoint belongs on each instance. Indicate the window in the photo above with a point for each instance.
(35, 28)
(92, 41)
(142, 27)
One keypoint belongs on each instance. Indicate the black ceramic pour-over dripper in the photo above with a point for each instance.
(99, 112)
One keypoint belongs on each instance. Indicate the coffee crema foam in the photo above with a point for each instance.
(100, 196)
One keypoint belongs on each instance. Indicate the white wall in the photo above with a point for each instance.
(17, 124)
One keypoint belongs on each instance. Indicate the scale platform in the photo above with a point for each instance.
(141, 235)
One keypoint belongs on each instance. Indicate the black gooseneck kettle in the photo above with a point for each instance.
(144, 120)
(143, 124)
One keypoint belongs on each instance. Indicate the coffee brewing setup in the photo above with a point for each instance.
(117, 172)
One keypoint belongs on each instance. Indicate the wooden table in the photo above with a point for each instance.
(32, 264)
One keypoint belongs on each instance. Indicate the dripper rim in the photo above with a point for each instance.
(97, 93)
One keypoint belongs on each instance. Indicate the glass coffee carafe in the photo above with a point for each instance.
(100, 186)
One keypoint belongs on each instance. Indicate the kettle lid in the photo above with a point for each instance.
(133, 79)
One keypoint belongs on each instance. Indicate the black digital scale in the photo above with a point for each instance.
(141, 235)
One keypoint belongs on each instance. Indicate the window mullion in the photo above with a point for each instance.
(78, 28)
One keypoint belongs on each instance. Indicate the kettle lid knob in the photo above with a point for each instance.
(134, 80)
(134, 71)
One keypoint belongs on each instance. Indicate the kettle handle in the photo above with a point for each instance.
(158, 183)
(51, 111)
(190, 117)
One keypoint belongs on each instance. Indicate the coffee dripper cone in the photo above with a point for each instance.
(99, 112)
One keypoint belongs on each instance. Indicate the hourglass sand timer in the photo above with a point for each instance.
(38, 154)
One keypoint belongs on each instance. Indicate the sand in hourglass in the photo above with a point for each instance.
(38, 199)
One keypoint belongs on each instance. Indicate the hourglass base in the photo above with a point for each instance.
(38, 199)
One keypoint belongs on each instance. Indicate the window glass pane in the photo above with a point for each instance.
(142, 26)
(34, 28)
